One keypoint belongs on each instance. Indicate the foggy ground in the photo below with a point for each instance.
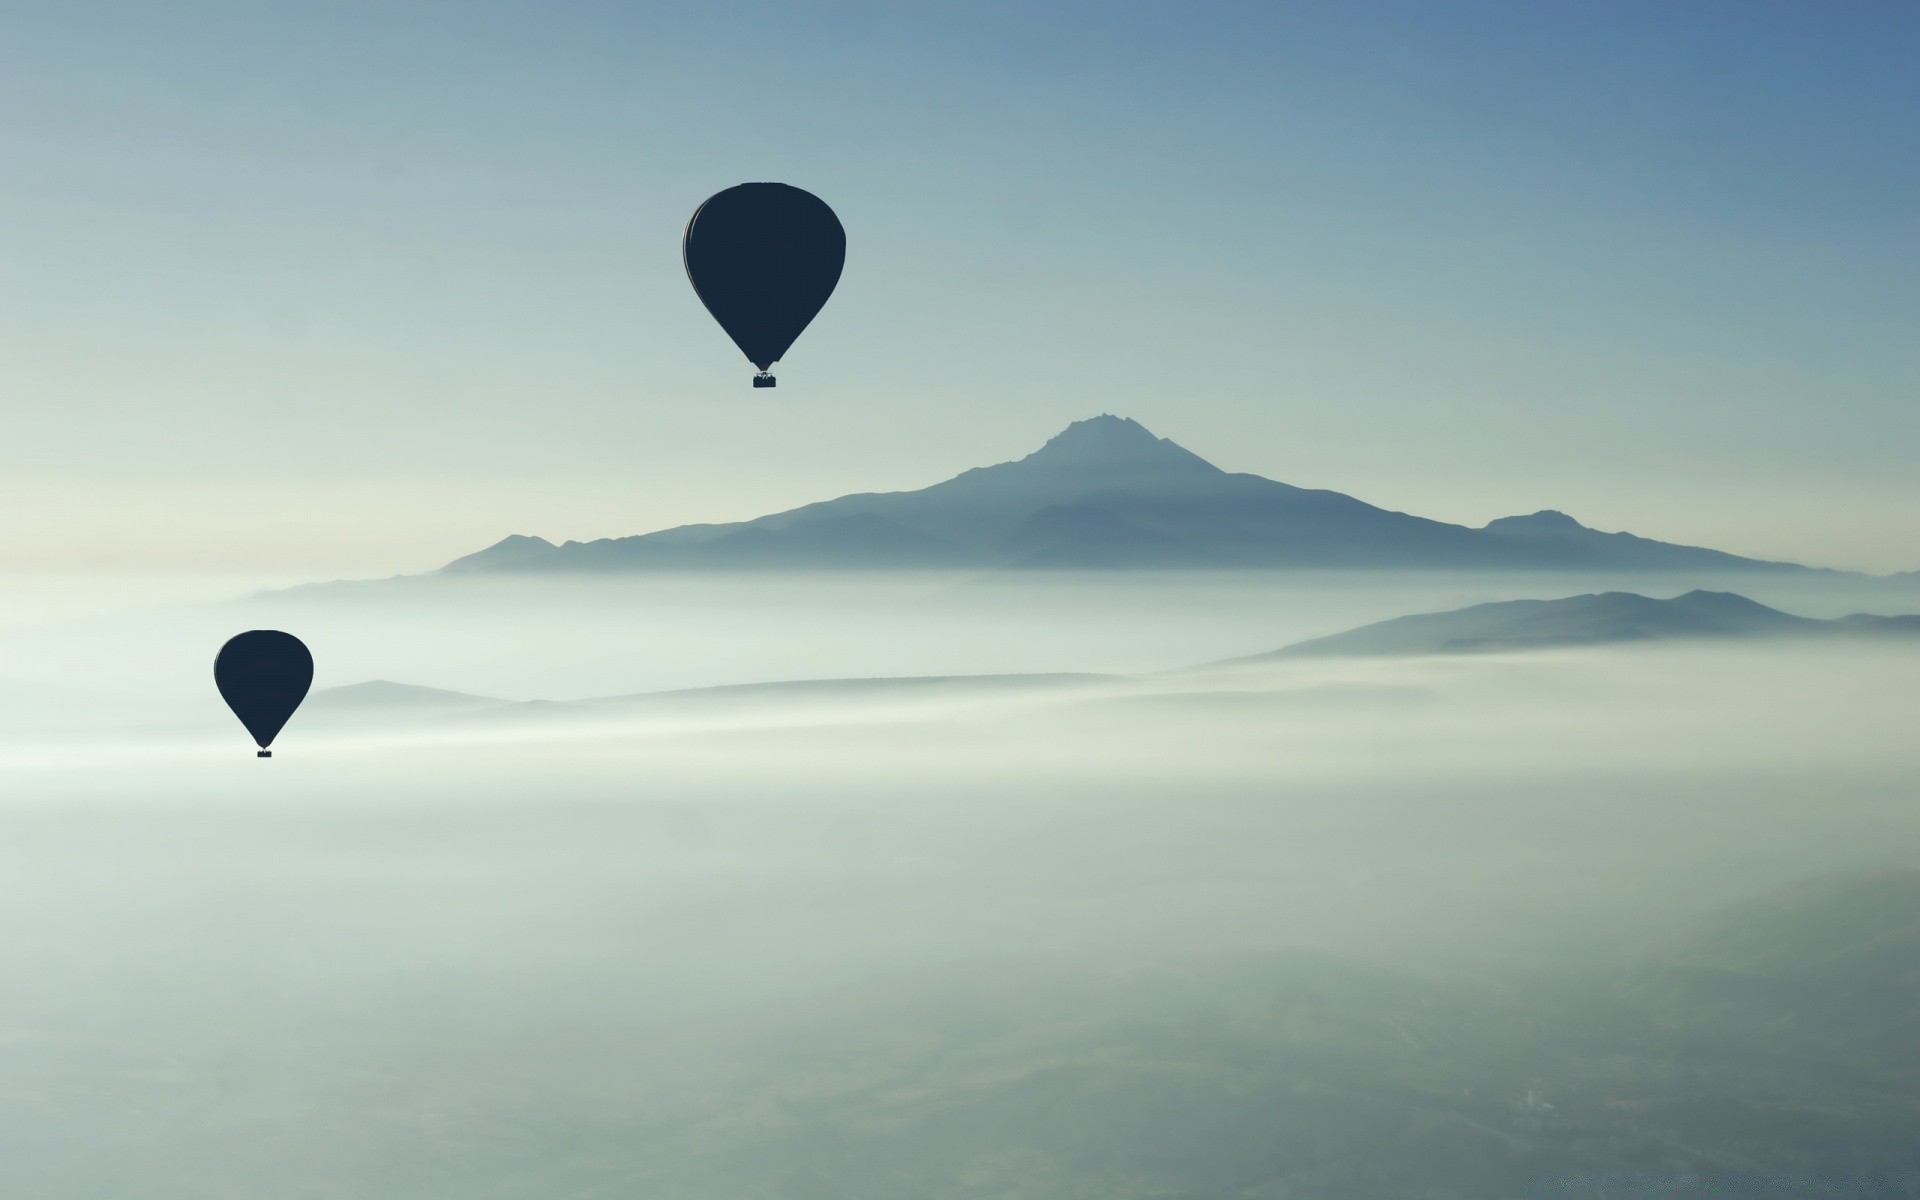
(1173, 932)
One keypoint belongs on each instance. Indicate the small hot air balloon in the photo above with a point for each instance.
(763, 258)
(263, 675)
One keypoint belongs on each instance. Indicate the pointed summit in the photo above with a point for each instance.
(509, 551)
(1107, 442)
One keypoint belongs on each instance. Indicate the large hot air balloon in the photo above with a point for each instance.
(763, 258)
(263, 676)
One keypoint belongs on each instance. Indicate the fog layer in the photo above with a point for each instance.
(887, 938)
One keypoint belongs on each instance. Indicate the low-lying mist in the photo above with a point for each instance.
(575, 636)
(1133, 932)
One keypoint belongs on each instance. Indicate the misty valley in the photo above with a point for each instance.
(946, 884)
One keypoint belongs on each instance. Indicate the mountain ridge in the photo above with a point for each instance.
(1593, 619)
(1107, 493)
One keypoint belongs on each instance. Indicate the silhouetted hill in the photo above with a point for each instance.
(381, 696)
(1106, 493)
(891, 689)
(889, 696)
(884, 697)
(1559, 540)
(1586, 621)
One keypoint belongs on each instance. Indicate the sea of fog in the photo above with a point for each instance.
(151, 637)
(875, 939)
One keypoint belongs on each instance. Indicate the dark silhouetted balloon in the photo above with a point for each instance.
(763, 258)
(263, 676)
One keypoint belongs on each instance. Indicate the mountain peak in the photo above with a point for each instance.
(515, 547)
(1726, 602)
(1111, 442)
(1546, 523)
(1105, 425)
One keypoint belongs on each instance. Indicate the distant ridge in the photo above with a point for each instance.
(383, 695)
(386, 701)
(1106, 493)
(1590, 620)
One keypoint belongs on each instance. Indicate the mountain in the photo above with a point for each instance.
(1106, 493)
(1585, 621)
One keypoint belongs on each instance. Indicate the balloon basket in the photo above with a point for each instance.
(763, 380)
(263, 754)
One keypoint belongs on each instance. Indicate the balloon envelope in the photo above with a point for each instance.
(763, 258)
(263, 675)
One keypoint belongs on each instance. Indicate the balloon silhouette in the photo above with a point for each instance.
(263, 676)
(763, 258)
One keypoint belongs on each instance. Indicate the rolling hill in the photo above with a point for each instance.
(1589, 620)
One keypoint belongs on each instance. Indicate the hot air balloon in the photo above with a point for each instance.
(263, 675)
(763, 258)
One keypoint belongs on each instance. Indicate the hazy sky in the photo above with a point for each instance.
(367, 286)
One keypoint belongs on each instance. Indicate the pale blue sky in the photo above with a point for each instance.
(367, 286)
